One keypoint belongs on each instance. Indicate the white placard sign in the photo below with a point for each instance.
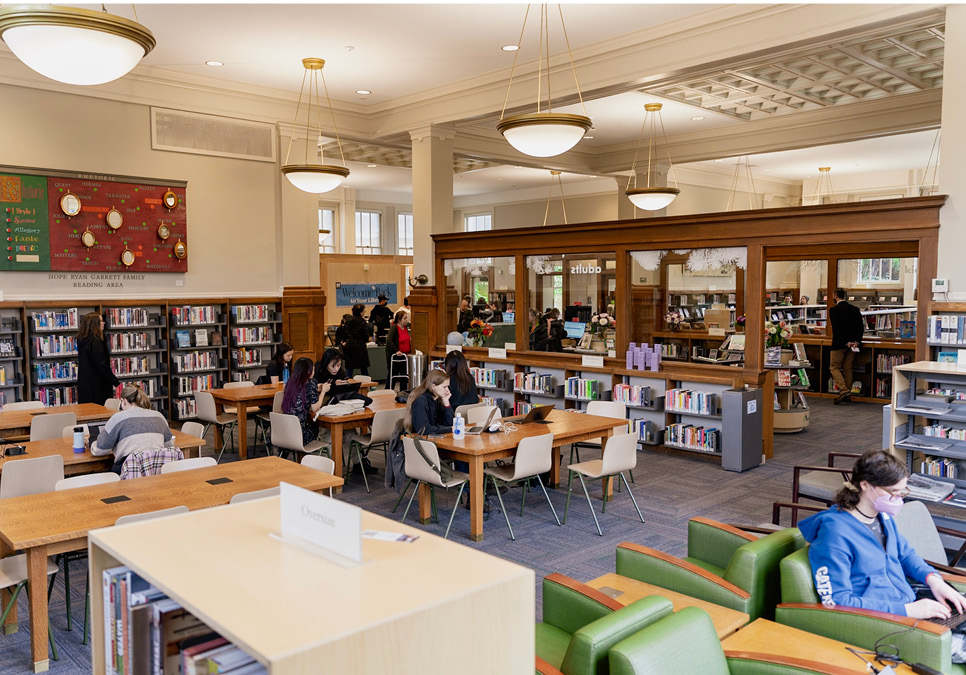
(454, 348)
(716, 332)
(592, 361)
(510, 346)
(496, 353)
(330, 524)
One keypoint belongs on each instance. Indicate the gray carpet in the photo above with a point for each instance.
(669, 490)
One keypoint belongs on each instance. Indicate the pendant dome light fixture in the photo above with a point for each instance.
(651, 198)
(543, 133)
(322, 177)
(72, 45)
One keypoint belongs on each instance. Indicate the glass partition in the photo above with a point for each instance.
(885, 290)
(796, 292)
(482, 288)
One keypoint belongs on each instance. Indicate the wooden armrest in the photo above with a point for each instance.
(545, 668)
(960, 535)
(833, 455)
(585, 590)
(730, 529)
(685, 565)
(950, 574)
(776, 511)
(920, 624)
(759, 530)
(789, 661)
(797, 472)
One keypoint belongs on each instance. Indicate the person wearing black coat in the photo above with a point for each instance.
(356, 338)
(95, 379)
(538, 332)
(428, 409)
(381, 316)
(847, 329)
(465, 317)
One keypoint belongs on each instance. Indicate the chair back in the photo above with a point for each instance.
(205, 407)
(756, 568)
(150, 515)
(46, 427)
(21, 405)
(31, 476)
(87, 479)
(361, 378)
(534, 456)
(614, 409)
(620, 454)
(464, 409)
(684, 642)
(714, 543)
(480, 414)
(383, 422)
(797, 584)
(148, 462)
(68, 432)
(319, 463)
(241, 384)
(416, 466)
(113, 403)
(915, 523)
(286, 431)
(255, 494)
(188, 464)
(381, 392)
(193, 429)
(277, 401)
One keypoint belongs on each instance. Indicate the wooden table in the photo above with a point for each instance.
(626, 590)
(54, 522)
(15, 424)
(335, 425)
(566, 427)
(85, 462)
(793, 646)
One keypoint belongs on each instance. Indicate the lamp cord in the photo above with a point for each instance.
(516, 55)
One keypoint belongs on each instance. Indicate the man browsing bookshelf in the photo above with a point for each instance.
(847, 329)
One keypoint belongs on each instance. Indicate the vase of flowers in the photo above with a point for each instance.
(478, 332)
(674, 319)
(740, 323)
(598, 326)
(776, 339)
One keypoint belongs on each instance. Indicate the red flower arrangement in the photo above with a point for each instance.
(479, 331)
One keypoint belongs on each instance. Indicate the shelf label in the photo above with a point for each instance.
(496, 353)
(592, 361)
(510, 346)
(315, 519)
(716, 332)
(454, 348)
(752, 406)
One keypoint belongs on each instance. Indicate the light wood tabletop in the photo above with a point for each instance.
(85, 462)
(626, 590)
(767, 637)
(26, 523)
(566, 427)
(16, 423)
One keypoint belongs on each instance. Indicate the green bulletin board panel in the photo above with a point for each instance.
(26, 233)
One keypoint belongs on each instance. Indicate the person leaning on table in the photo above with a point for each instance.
(428, 408)
(135, 427)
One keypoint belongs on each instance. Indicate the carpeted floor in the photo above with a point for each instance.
(669, 490)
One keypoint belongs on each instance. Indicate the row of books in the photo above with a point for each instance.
(193, 361)
(883, 387)
(943, 431)
(498, 401)
(522, 407)
(131, 365)
(645, 430)
(632, 394)
(689, 401)
(252, 313)
(185, 408)
(56, 395)
(127, 317)
(946, 329)
(788, 377)
(787, 314)
(240, 377)
(194, 314)
(3, 376)
(55, 320)
(188, 385)
(8, 348)
(954, 394)
(489, 377)
(54, 371)
(128, 342)
(944, 468)
(183, 338)
(673, 350)
(693, 437)
(586, 389)
(148, 633)
(884, 363)
(834, 388)
(533, 382)
(150, 387)
(248, 336)
(54, 345)
(246, 357)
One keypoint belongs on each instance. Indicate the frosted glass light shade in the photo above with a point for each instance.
(74, 46)
(315, 178)
(544, 134)
(652, 199)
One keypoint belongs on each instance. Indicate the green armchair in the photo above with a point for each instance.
(918, 641)
(724, 565)
(580, 624)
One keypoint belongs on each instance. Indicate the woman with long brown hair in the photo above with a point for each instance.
(428, 408)
(462, 386)
(95, 379)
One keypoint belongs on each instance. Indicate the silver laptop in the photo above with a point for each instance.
(476, 431)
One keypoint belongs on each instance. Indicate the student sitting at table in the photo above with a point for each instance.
(136, 427)
(279, 369)
(428, 408)
(462, 386)
(302, 399)
(329, 371)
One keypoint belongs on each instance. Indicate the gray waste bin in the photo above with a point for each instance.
(417, 370)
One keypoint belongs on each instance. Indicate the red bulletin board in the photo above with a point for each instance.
(143, 211)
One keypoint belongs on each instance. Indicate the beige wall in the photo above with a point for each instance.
(584, 209)
(351, 269)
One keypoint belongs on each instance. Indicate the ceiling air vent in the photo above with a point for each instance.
(200, 134)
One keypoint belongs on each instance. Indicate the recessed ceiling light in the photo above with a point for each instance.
(697, 118)
(719, 160)
(363, 92)
(510, 48)
(588, 137)
(214, 64)
(593, 176)
(370, 166)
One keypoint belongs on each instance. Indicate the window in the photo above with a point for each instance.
(368, 240)
(879, 269)
(479, 222)
(404, 228)
(326, 230)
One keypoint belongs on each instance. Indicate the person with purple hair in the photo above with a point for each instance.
(303, 397)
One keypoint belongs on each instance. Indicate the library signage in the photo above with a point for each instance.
(585, 269)
(310, 518)
(347, 295)
(95, 280)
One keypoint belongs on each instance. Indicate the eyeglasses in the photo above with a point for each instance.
(897, 493)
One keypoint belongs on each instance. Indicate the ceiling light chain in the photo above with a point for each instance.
(335, 127)
(824, 176)
(573, 66)
(652, 198)
(298, 106)
(516, 55)
(935, 167)
(563, 203)
(744, 162)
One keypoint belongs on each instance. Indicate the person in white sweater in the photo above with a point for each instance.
(135, 427)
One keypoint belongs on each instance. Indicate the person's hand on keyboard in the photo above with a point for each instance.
(927, 609)
(946, 594)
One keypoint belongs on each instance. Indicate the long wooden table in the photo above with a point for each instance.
(336, 425)
(566, 427)
(85, 462)
(15, 424)
(54, 522)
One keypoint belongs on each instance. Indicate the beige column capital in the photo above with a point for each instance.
(443, 132)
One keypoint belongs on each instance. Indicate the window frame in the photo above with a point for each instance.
(486, 215)
(369, 249)
(331, 237)
(400, 249)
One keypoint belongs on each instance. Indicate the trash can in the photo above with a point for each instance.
(417, 370)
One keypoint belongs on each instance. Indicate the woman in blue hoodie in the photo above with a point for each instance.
(858, 557)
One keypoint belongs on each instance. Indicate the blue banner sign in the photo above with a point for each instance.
(347, 295)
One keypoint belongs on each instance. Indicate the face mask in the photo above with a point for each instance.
(888, 504)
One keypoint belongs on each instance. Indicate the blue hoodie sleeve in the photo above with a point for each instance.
(831, 562)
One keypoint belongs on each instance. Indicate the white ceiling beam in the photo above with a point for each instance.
(876, 63)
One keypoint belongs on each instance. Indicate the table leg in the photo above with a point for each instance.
(336, 435)
(555, 467)
(476, 498)
(11, 624)
(219, 438)
(242, 428)
(37, 598)
(425, 504)
(607, 486)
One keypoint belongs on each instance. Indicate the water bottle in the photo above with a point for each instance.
(459, 427)
(78, 440)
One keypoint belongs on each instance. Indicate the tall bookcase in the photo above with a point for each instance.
(254, 331)
(197, 348)
(52, 332)
(13, 383)
(136, 335)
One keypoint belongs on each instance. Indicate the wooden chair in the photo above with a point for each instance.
(820, 483)
(47, 427)
(188, 464)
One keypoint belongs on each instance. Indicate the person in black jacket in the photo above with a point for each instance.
(381, 316)
(465, 316)
(356, 338)
(538, 332)
(428, 408)
(280, 367)
(462, 387)
(95, 379)
(555, 331)
(847, 328)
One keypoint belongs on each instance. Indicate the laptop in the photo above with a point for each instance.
(339, 392)
(94, 428)
(476, 431)
(537, 414)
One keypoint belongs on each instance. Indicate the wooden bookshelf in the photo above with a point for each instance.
(261, 316)
(198, 359)
(52, 350)
(137, 337)
(13, 380)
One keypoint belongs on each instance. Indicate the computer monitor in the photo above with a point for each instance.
(508, 317)
(575, 329)
(578, 313)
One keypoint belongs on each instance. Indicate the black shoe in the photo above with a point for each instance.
(368, 467)
(843, 395)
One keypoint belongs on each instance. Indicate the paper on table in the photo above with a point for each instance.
(380, 535)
